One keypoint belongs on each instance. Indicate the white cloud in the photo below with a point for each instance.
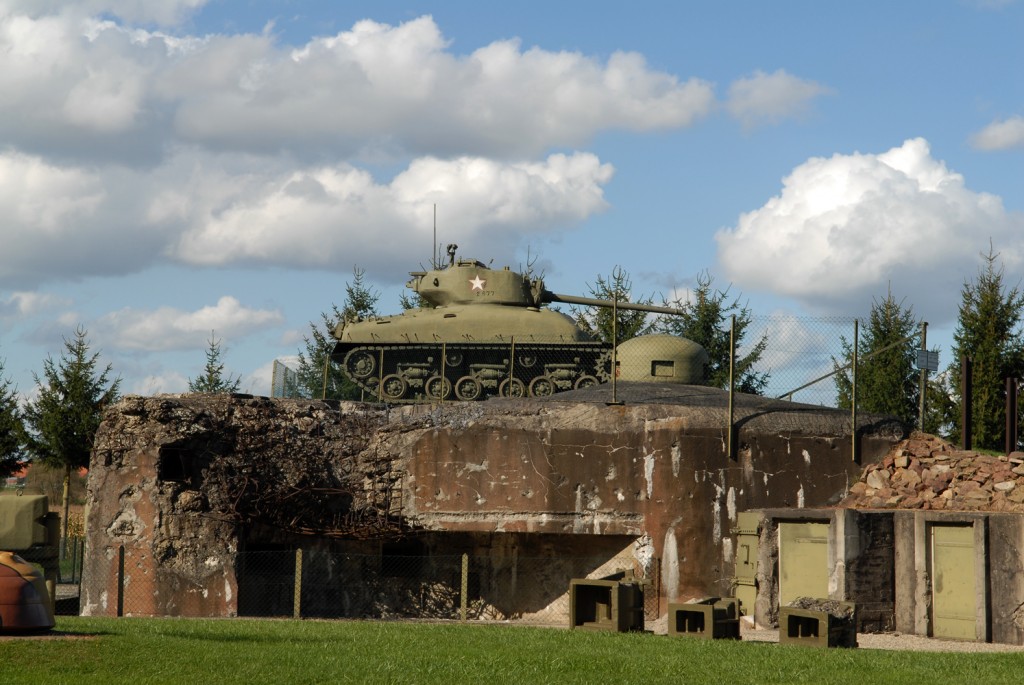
(156, 384)
(323, 217)
(770, 98)
(259, 381)
(163, 12)
(1000, 135)
(167, 328)
(400, 87)
(846, 227)
(69, 222)
(25, 304)
(376, 87)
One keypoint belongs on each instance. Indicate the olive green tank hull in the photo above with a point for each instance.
(411, 372)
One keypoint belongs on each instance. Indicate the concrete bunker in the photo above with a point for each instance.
(190, 489)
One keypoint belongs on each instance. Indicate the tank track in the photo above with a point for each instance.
(412, 372)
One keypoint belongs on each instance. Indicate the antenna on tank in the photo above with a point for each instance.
(433, 250)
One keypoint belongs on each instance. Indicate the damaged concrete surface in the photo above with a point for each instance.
(182, 482)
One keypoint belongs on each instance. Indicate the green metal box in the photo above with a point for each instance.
(23, 521)
(606, 604)
(818, 628)
(710, 618)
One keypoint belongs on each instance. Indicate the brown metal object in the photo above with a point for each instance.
(710, 618)
(24, 601)
(614, 603)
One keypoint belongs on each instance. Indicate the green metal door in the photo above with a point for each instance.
(803, 561)
(954, 608)
(745, 579)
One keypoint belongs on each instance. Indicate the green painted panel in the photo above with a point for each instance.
(954, 608)
(803, 561)
(746, 531)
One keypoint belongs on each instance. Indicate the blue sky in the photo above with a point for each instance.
(171, 168)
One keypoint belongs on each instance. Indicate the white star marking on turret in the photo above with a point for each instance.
(477, 283)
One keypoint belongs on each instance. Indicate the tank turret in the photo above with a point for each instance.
(486, 332)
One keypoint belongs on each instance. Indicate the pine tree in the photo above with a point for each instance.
(67, 411)
(705, 319)
(989, 333)
(12, 428)
(213, 380)
(888, 381)
(317, 376)
(598, 321)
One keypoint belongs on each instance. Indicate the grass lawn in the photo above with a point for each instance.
(142, 651)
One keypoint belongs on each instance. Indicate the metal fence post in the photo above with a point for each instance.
(297, 599)
(444, 371)
(924, 376)
(120, 581)
(615, 347)
(327, 362)
(966, 402)
(1011, 415)
(730, 447)
(463, 601)
(853, 392)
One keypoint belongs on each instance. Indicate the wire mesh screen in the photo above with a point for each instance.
(795, 359)
(284, 381)
(321, 584)
(799, 355)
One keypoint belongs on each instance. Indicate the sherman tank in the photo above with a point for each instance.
(484, 332)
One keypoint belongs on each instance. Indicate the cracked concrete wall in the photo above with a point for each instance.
(646, 469)
(654, 469)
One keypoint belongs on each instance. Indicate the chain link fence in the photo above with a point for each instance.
(331, 585)
(798, 354)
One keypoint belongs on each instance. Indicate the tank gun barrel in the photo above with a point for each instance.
(549, 296)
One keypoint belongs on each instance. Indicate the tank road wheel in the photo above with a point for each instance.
(361, 363)
(585, 381)
(394, 387)
(512, 387)
(468, 388)
(437, 388)
(542, 386)
(526, 360)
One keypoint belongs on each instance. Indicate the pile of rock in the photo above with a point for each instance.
(832, 607)
(926, 472)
